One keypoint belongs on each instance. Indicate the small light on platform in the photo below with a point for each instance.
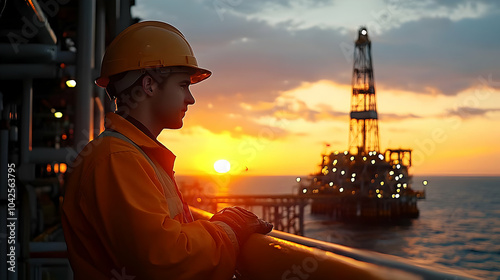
(334, 162)
(391, 172)
(398, 166)
(341, 190)
(373, 161)
(353, 174)
(425, 182)
(71, 83)
(58, 115)
(331, 184)
(381, 157)
(377, 190)
(334, 169)
(298, 179)
(397, 195)
(379, 195)
(304, 190)
(346, 152)
(352, 158)
(404, 185)
(342, 172)
(381, 183)
(364, 158)
(353, 179)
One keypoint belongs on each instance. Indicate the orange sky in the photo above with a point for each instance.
(443, 144)
(281, 83)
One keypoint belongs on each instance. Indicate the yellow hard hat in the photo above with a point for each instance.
(149, 44)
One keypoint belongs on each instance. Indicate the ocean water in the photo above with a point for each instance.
(458, 227)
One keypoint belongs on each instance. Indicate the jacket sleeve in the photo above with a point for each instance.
(131, 216)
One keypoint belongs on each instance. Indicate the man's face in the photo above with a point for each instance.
(172, 99)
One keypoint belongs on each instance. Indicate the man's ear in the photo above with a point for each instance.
(147, 85)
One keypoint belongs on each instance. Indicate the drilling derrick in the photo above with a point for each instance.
(363, 132)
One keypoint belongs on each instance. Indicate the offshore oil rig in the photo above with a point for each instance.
(362, 183)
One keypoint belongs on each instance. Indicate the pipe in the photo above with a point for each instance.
(84, 62)
(29, 71)
(100, 47)
(26, 121)
(47, 155)
(281, 255)
(35, 20)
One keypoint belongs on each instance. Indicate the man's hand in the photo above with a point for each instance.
(243, 222)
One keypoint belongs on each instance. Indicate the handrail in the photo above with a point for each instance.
(286, 256)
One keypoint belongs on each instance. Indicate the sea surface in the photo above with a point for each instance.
(458, 227)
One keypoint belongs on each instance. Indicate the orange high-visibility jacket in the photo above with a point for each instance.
(121, 222)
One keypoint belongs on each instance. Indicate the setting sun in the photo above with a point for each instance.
(222, 166)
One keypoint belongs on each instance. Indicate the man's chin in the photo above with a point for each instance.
(175, 126)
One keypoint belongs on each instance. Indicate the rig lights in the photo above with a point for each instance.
(298, 179)
(352, 158)
(304, 190)
(425, 182)
(373, 161)
(391, 172)
(334, 169)
(379, 195)
(58, 115)
(364, 32)
(331, 184)
(341, 190)
(353, 179)
(342, 172)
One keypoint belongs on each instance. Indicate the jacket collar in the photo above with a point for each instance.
(151, 147)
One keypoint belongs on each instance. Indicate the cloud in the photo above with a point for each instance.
(391, 117)
(471, 112)
(255, 60)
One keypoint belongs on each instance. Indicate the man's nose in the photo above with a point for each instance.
(190, 98)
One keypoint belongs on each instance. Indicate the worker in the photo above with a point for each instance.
(123, 215)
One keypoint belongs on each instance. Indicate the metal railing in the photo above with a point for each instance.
(285, 256)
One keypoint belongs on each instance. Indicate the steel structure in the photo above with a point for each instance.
(363, 132)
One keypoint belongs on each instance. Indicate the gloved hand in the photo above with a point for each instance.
(242, 222)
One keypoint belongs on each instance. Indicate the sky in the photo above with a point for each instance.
(280, 92)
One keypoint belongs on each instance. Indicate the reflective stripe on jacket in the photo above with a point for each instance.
(120, 221)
